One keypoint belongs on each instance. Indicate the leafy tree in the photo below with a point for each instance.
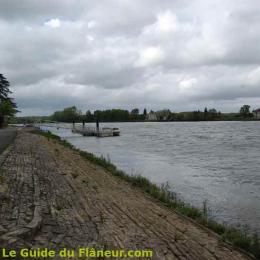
(213, 111)
(245, 110)
(7, 108)
(164, 114)
(7, 104)
(135, 111)
(68, 114)
(4, 88)
(89, 116)
(134, 115)
(71, 114)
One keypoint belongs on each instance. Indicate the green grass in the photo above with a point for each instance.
(240, 238)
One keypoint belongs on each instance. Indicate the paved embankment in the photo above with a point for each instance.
(7, 135)
(52, 197)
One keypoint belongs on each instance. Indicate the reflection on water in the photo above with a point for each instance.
(213, 161)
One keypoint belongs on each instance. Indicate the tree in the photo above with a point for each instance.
(69, 114)
(206, 113)
(111, 115)
(4, 88)
(213, 111)
(7, 108)
(7, 104)
(134, 115)
(135, 111)
(89, 116)
(145, 112)
(164, 114)
(245, 110)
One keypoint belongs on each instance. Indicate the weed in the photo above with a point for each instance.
(102, 218)
(205, 210)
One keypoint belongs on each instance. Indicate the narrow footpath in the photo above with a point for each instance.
(7, 135)
(52, 197)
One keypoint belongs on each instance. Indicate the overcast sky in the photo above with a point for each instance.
(177, 54)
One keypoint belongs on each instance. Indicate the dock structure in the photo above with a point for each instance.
(98, 132)
(86, 130)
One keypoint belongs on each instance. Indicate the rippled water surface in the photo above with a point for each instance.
(214, 161)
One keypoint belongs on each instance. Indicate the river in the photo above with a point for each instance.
(214, 161)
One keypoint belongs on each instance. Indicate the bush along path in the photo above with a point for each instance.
(56, 197)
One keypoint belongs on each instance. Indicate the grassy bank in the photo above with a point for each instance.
(239, 238)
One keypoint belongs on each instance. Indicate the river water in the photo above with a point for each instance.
(214, 161)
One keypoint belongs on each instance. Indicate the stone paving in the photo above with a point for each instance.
(7, 135)
(52, 197)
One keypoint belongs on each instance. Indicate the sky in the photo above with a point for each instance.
(178, 54)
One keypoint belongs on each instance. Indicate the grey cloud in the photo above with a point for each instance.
(34, 9)
(98, 54)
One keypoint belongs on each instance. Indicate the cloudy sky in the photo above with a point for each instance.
(177, 54)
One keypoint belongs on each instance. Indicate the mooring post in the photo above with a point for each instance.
(97, 126)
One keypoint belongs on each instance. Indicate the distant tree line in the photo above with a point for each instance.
(206, 115)
(29, 119)
(71, 114)
(68, 114)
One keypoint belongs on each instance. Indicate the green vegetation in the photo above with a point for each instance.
(112, 115)
(245, 111)
(207, 115)
(68, 114)
(239, 238)
(7, 104)
(29, 119)
(72, 114)
(214, 115)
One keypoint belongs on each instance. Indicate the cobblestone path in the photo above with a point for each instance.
(52, 197)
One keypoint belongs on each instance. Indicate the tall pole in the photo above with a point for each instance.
(97, 124)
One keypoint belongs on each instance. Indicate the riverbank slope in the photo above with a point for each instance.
(52, 197)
